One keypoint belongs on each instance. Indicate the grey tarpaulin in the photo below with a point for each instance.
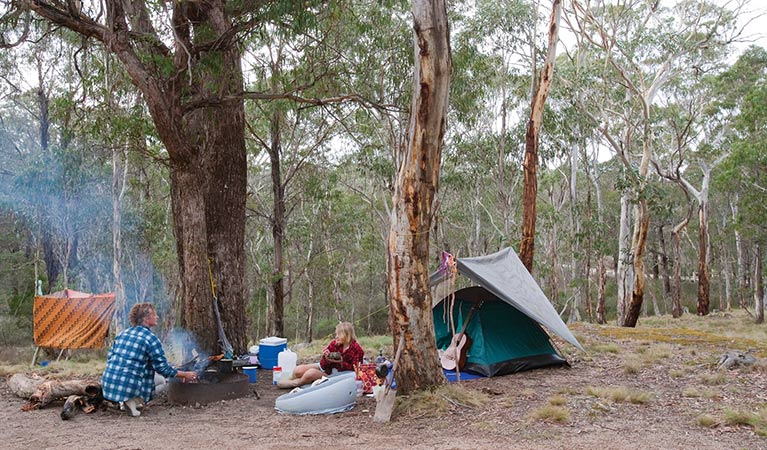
(503, 274)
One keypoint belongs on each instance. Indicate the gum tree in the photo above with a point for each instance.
(185, 59)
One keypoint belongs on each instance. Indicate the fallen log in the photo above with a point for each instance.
(24, 385)
(733, 359)
(47, 391)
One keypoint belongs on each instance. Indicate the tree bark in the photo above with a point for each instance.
(191, 92)
(601, 292)
(758, 286)
(276, 307)
(704, 287)
(623, 274)
(413, 200)
(664, 264)
(741, 265)
(530, 190)
(676, 297)
(119, 183)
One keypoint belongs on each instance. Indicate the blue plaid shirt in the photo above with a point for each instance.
(131, 363)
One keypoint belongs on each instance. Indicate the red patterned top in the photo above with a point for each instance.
(352, 356)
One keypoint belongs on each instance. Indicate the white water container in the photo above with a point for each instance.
(287, 360)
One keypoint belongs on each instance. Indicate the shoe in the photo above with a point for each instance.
(289, 384)
(132, 406)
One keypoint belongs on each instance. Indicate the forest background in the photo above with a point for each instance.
(85, 186)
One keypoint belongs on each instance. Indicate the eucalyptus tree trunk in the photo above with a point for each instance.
(624, 272)
(704, 272)
(52, 265)
(530, 190)
(641, 220)
(676, 296)
(276, 306)
(191, 88)
(758, 285)
(575, 231)
(119, 183)
(741, 264)
(587, 268)
(704, 246)
(601, 269)
(664, 264)
(413, 200)
(727, 274)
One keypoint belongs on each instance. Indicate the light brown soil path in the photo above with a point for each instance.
(680, 385)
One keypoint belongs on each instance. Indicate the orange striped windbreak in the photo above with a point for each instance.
(71, 319)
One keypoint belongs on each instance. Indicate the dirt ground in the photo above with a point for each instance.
(679, 383)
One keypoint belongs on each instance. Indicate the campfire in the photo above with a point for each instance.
(216, 380)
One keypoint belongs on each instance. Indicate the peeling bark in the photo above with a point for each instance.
(413, 201)
(530, 190)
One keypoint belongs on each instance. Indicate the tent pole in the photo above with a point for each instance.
(34, 357)
(60, 353)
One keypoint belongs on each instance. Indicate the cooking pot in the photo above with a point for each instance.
(225, 365)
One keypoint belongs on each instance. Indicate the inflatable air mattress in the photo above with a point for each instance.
(337, 393)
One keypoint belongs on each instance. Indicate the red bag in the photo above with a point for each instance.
(367, 374)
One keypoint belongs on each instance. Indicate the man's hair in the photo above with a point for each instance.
(346, 330)
(139, 311)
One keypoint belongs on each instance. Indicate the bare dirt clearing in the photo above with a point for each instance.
(636, 389)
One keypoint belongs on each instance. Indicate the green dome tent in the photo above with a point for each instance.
(510, 311)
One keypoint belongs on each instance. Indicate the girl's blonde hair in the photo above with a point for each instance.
(345, 331)
(139, 311)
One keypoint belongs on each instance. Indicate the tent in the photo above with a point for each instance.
(507, 327)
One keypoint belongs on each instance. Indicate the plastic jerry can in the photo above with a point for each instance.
(286, 359)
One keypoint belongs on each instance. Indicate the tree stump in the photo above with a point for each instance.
(733, 359)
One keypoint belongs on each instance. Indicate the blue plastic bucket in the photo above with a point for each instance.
(251, 372)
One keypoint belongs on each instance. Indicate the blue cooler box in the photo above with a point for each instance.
(268, 349)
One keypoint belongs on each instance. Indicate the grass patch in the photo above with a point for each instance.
(694, 392)
(734, 331)
(676, 373)
(756, 420)
(437, 402)
(713, 379)
(557, 400)
(707, 421)
(551, 413)
(485, 426)
(567, 391)
(631, 366)
(620, 394)
(691, 392)
(609, 347)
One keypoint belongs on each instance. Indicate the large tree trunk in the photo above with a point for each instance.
(530, 190)
(191, 91)
(641, 225)
(414, 191)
